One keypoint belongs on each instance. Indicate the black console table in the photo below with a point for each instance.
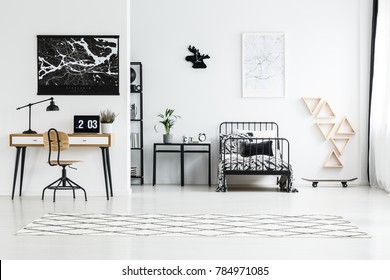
(181, 148)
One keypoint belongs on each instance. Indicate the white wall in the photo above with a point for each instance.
(326, 56)
(20, 22)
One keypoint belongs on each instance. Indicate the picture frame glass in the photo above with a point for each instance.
(78, 65)
(263, 65)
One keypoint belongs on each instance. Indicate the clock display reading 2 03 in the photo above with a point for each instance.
(86, 124)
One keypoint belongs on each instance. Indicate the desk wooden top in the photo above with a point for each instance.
(75, 140)
(69, 134)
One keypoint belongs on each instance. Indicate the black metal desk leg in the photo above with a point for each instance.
(109, 168)
(105, 171)
(154, 164)
(209, 165)
(182, 164)
(16, 170)
(22, 170)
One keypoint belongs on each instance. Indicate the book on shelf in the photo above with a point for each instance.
(133, 111)
(133, 171)
(135, 140)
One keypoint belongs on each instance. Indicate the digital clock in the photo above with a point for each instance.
(86, 124)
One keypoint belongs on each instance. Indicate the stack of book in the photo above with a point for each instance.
(135, 140)
(133, 111)
(134, 171)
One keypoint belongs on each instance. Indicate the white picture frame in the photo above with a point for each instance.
(263, 64)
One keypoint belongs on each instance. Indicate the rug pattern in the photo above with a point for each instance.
(198, 225)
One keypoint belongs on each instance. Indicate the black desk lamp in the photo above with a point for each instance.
(51, 107)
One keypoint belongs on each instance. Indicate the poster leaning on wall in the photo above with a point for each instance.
(263, 65)
(78, 65)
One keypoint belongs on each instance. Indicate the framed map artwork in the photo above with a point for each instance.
(78, 65)
(263, 65)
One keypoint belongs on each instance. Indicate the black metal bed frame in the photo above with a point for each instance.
(282, 145)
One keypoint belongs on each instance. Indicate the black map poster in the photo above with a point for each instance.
(78, 65)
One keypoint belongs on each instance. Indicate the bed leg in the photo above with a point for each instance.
(292, 189)
(289, 184)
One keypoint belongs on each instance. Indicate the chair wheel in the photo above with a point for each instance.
(315, 184)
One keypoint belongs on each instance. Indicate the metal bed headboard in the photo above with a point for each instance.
(230, 127)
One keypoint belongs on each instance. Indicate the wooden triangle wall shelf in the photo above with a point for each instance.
(345, 127)
(325, 111)
(339, 133)
(312, 103)
(326, 128)
(340, 143)
(333, 161)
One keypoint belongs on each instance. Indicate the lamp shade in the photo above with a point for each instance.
(52, 106)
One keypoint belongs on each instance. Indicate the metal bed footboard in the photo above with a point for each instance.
(281, 150)
(277, 165)
(257, 162)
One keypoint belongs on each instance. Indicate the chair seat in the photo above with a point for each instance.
(64, 162)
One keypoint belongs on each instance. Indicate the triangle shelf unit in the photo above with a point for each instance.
(312, 103)
(325, 111)
(333, 161)
(326, 128)
(340, 143)
(345, 127)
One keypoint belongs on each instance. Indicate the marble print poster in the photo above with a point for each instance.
(78, 65)
(263, 64)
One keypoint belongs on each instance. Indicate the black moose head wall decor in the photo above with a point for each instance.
(197, 58)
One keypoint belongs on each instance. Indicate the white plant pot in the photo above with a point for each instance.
(167, 138)
(107, 128)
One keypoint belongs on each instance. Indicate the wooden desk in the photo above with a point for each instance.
(181, 148)
(22, 141)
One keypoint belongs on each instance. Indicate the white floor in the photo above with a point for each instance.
(367, 208)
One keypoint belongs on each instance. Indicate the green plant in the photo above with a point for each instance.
(168, 120)
(107, 116)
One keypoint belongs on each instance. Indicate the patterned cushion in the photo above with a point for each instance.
(230, 143)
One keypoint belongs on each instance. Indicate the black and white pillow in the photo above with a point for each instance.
(231, 143)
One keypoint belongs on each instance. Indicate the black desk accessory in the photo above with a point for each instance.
(51, 107)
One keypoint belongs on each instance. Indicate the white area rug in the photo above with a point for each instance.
(206, 225)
